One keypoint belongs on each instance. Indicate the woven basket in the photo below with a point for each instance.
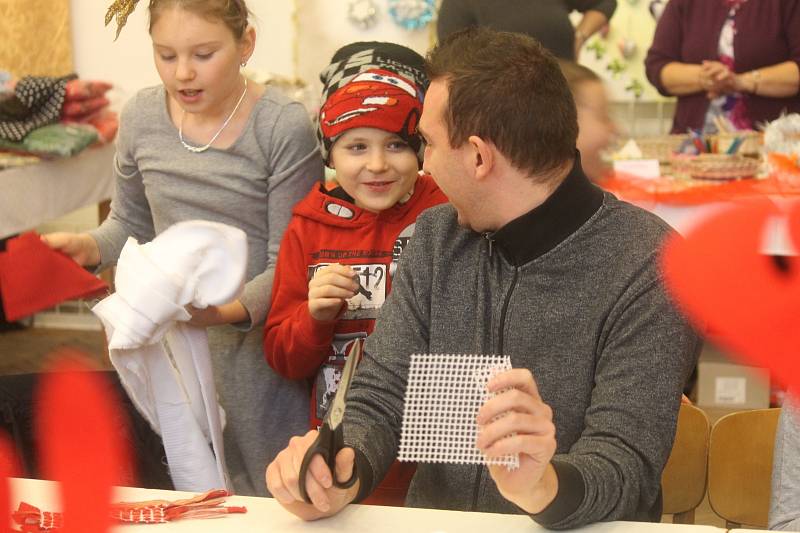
(661, 147)
(751, 143)
(716, 166)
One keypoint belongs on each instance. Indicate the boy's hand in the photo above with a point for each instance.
(81, 247)
(534, 484)
(282, 480)
(328, 290)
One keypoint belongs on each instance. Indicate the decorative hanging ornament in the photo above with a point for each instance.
(598, 48)
(627, 47)
(412, 14)
(120, 10)
(362, 13)
(616, 67)
(657, 7)
(635, 87)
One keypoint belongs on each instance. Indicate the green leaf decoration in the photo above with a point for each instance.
(635, 87)
(598, 47)
(616, 67)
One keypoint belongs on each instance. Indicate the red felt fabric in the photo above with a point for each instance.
(207, 505)
(77, 89)
(34, 277)
(78, 423)
(81, 108)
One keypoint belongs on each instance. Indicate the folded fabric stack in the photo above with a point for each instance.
(53, 117)
(85, 103)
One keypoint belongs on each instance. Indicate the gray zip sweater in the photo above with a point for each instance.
(572, 292)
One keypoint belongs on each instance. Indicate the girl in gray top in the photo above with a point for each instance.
(208, 145)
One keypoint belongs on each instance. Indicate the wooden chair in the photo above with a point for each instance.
(683, 482)
(740, 467)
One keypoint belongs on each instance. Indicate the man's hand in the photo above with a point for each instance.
(215, 315)
(328, 290)
(81, 247)
(520, 410)
(282, 480)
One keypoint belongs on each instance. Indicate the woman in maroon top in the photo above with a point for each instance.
(735, 60)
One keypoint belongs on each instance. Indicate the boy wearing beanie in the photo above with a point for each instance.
(342, 246)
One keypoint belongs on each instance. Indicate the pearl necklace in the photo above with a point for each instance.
(198, 149)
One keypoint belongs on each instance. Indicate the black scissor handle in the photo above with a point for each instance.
(327, 444)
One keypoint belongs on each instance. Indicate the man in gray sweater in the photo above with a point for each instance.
(532, 261)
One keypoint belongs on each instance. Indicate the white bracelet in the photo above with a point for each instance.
(580, 35)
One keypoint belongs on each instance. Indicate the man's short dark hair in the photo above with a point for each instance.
(508, 90)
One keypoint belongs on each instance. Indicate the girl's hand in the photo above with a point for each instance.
(81, 247)
(216, 315)
(328, 290)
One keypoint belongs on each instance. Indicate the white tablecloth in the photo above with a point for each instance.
(34, 194)
(265, 514)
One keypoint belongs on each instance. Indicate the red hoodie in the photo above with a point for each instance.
(326, 229)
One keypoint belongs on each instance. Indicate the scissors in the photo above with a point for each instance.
(330, 439)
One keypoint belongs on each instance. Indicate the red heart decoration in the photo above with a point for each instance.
(9, 467)
(750, 302)
(78, 425)
(34, 277)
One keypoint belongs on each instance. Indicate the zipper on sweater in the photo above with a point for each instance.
(477, 484)
(499, 352)
(488, 236)
(476, 488)
(505, 308)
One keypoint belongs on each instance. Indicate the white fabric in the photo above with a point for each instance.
(199, 263)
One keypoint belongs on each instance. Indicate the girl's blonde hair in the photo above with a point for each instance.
(233, 13)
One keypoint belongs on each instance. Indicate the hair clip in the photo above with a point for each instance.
(120, 9)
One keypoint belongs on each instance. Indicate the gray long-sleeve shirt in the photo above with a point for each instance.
(251, 185)
(784, 511)
(571, 291)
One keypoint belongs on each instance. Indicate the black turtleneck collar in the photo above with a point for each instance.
(541, 229)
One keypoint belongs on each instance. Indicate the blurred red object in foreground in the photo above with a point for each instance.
(750, 301)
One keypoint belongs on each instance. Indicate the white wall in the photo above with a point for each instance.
(128, 61)
(323, 28)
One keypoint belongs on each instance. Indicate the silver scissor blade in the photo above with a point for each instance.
(336, 412)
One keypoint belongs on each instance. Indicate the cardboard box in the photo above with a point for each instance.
(722, 383)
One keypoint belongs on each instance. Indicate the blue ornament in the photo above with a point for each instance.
(412, 14)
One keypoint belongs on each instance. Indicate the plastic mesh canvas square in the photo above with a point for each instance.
(443, 396)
